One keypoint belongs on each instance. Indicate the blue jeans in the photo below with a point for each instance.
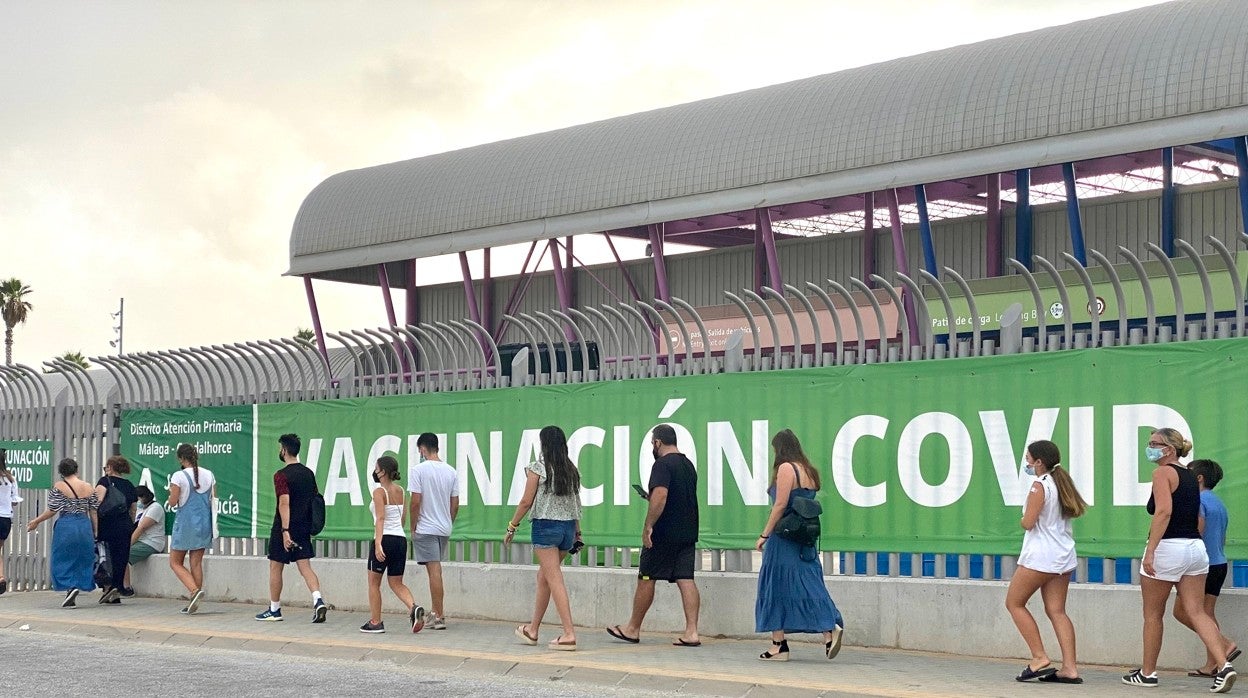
(549, 533)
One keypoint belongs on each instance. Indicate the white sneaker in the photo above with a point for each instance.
(435, 622)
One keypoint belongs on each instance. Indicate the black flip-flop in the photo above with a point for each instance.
(1028, 673)
(1054, 678)
(1197, 673)
(615, 632)
(681, 642)
(1233, 655)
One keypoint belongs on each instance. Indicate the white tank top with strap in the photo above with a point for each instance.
(393, 524)
(1050, 545)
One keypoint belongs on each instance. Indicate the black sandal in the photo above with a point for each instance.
(780, 655)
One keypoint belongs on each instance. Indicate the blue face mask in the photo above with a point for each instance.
(1029, 470)
(1153, 454)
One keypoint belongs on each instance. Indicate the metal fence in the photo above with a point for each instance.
(79, 410)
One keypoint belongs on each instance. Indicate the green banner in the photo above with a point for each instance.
(224, 437)
(914, 457)
(30, 462)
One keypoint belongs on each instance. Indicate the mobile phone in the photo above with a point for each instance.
(576, 547)
(641, 492)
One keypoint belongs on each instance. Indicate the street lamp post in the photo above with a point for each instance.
(120, 327)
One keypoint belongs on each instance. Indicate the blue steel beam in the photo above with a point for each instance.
(1167, 201)
(1072, 214)
(1022, 217)
(1241, 160)
(925, 230)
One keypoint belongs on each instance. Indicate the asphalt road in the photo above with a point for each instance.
(35, 664)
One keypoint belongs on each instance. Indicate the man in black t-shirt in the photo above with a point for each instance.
(668, 539)
(290, 539)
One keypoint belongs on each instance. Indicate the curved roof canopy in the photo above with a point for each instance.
(1164, 75)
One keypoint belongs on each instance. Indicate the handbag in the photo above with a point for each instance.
(102, 572)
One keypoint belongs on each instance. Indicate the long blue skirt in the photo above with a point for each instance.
(791, 592)
(73, 553)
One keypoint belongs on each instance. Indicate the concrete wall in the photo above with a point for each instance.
(937, 615)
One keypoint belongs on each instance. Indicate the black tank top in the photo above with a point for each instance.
(1185, 509)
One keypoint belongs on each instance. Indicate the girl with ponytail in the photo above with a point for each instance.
(191, 490)
(1046, 562)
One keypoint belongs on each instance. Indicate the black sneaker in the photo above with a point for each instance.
(417, 616)
(113, 602)
(70, 596)
(4, 585)
(109, 594)
(373, 628)
(127, 592)
(1137, 678)
(319, 611)
(1223, 680)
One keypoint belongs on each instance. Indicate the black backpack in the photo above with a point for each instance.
(114, 503)
(316, 512)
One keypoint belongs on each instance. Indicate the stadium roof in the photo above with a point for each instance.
(1169, 74)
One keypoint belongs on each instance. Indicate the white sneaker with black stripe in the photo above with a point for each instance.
(1137, 678)
(1224, 679)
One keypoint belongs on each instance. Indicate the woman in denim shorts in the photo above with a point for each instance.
(552, 500)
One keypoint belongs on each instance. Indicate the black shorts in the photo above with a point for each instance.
(395, 548)
(1215, 579)
(666, 562)
(6, 526)
(301, 551)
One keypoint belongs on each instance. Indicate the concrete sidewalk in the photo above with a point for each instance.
(724, 667)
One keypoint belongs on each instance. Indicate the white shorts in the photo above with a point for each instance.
(1179, 557)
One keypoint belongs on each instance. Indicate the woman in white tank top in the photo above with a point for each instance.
(388, 554)
(1046, 562)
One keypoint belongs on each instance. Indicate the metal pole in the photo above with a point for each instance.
(383, 280)
(411, 295)
(762, 217)
(900, 259)
(561, 287)
(662, 290)
(993, 243)
(868, 237)
(1167, 200)
(316, 318)
(1022, 217)
(1241, 161)
(925, 230)
(1073, 214)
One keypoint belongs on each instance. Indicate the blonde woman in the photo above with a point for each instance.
(1175, 556)
(1046, 562)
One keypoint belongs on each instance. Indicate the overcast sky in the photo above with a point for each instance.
(160, 151)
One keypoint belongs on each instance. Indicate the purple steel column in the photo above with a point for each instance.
(662, 291)
(470, 291)
(868, 235)
(383, 280)
(487, 293)
(316, 318)
(899, 259)
(561, 284)
(569, 267)
(412, 316)
(762, 220)
(628, 278)
(993, 245)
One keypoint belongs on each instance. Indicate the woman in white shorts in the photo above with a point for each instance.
(1046, 562)
(1175, 556)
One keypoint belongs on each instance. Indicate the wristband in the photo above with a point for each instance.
(762, 536)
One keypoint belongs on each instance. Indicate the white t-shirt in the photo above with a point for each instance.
(1050, 545)
(8, 497)
(154, 535)
(185, 480)
(435, 482)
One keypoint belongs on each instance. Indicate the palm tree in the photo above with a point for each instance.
(73, 357)
(306, 335)
(15, 309)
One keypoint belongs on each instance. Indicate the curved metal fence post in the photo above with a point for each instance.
(858, 327)
(224, 364)
(1093, 306)
(143, 378)
(25, 398)
(378, 374)
(880, 330)
(977, 345)
(661, 328)
(951, 331)
(632, 337)
(295, 377)
(1204, 284)
(1120, 297)
(595, 335)
(178, 393)
(1041, 311)
(749, 318)
(836, 320)
(123, 387)
(431, 346)
(450, 333)
(410, 338)
(548, 322)
(210, 364)
(680, 327)
(317, 363)
(283, 376)
(532, 343)
(707, 366)
(473, 341)
(1142, 276)
(385, 344)
(203, 379)
(777, 347)
(903, 322)
(496, 361)
(798, 342)
(1180, 316)
(357, 380)
(1068, 331)
(581, 341)
(552, 360)
(1229, 260)
(618, 368)
(654, 357)
(454, 365)
(814, 321)
(400, 341)
(923, 320)
(258, 363)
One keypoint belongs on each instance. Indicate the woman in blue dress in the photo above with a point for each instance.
(191, 490)
(792, 597)
(73, 534)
